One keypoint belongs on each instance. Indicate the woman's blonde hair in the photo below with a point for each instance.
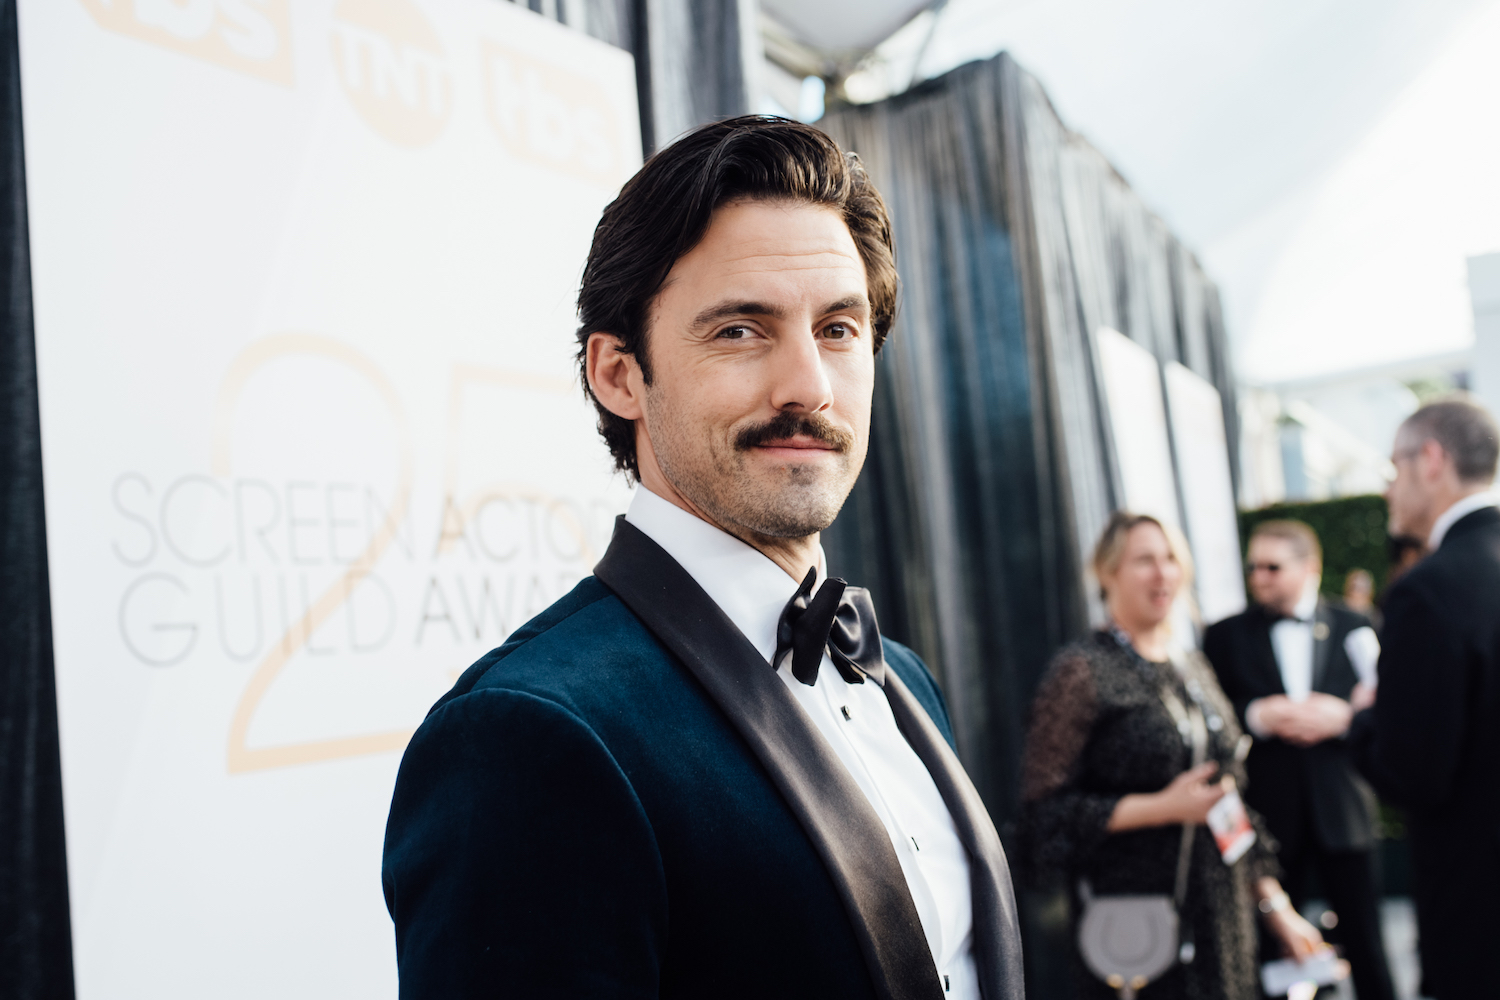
(1110, 548)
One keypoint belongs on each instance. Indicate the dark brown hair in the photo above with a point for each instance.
(664, 211)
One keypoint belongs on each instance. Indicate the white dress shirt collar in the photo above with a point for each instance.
(1307, 604)
(1459, 511)
(745, 584)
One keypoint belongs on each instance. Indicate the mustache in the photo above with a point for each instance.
(788, 424)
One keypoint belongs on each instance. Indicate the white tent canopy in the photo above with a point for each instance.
(1333, 164)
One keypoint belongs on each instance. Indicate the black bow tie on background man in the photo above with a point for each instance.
(839, 620)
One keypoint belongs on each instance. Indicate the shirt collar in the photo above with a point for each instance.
(1459, 511)
(1307, 604)
(1304, 609)
(746, 585)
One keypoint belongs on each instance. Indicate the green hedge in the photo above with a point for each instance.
(1352, 530)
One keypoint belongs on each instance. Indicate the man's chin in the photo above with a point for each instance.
(783, 509)
(791, 527)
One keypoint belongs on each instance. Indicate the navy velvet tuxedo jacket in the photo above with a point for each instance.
(625, 801)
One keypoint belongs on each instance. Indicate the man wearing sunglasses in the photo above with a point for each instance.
(1290, 665)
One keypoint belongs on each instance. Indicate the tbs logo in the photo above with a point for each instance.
(251, 36)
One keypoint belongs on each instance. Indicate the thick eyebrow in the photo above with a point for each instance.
(847, 304)
(728, 310)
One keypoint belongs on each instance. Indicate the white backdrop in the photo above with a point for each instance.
(303, 279)
(1138, 421)
(1197, 417)
(1143, 442)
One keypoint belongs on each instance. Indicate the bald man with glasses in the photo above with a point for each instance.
(1290, 664)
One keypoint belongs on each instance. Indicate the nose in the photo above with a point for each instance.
(799, 380)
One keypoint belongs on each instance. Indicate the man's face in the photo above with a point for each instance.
(763, 366)
(1278, 576)
(1408, 496)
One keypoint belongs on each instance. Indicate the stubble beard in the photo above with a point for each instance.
(715, 474)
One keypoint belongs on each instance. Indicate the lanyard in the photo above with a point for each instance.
(1210, 713)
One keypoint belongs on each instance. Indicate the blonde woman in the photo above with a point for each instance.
(1107, 782)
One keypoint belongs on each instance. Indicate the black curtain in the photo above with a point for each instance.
(692, 57)
(960, 523)
(36, 952)
(991, 468)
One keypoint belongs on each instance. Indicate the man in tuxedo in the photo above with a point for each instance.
(1431, 742)
(1290, 664)
(703, 773)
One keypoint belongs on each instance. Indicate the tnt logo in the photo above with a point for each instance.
(251, 36)
(551, 116)
(393, 69)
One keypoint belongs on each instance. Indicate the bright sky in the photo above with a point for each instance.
(1374, 268)
(1332, 162)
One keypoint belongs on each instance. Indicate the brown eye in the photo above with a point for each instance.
(837, 331)
(733, 333)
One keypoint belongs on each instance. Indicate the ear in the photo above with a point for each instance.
(615, 377)
(1106, 582)
(1433, 459)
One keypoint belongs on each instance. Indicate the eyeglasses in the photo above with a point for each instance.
(1269, 567)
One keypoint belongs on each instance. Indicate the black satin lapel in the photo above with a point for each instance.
(997, 936)
(839, 821)
(1322, 621)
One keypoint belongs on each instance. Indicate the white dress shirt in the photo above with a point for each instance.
(1454, 514)
(1292, 640)
(856, 721)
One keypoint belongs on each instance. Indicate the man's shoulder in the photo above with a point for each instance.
(1459, 566)
(1233, 627)
(1471, 547)
(1477, 529)
(1454, 589)
(574, 645)
(1234, 622)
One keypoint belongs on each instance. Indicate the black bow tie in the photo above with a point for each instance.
(839, 620)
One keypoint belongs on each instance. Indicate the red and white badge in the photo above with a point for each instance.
(1231, 826)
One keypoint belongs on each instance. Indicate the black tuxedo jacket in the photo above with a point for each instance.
(1297, 789)
(1432, 744)
(624, 800)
